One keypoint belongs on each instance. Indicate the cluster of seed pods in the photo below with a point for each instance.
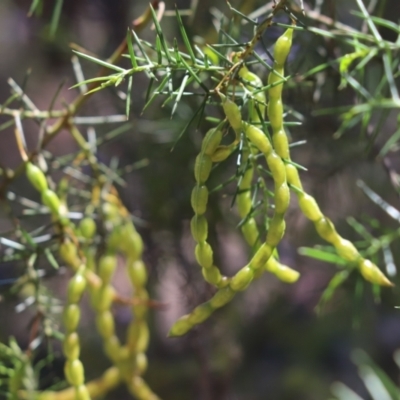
(94, 270)
(284, 174)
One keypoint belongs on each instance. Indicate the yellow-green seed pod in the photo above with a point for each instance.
(326, 229)
(222, 297)
(202, 168)
(286, 274)
(276, 230)
(106, 268)
(105, 324)
(74, 372)
(281, 144)
(212, 275)
(36, 177)
(211, 141)
(275, 92)
(282, 47)
(204, 254)
(51, 200)
(199, 228)
(71, 317)
(222, 153)
(82, 393)
(103, 298)
(199, 199)
(282, 198)
(258, 138)
(275, 114)
(141, 363)
(140, 310)
(137, 273)
(112, 347)
(309, 207)
(180, 327)
(200, 313)
(71, 347)
(250, 232)
(76, 287)
(373, 274)
(346, 250)
(132, 245)
(242, 279)
(138, 336)
(292, 176)
(87, 227)
(69, 253)
(277, 167)
(233, 114)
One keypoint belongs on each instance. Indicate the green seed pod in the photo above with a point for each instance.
(326, 229)
(258, 138)
(180, 327)
(82, 393)
(71, 317)
(74, 372)
(200, 313)
(199, 228)
(71, 347)
(275, 114)
(141, 363)
(103, 298)
(277, 168)
(76, 287)
(36, 177)
(373, 274)
(132, 245)
(282, 47)
(233, 114)
(242, 279)
(222, 153)
(282, 199)
(204, 254)
(276, 230)
(137, 273)
(212, 275)
(281, 144)
(222, 297)
(275, 92)
(309, 207)
(346, 249)
(199, 199)
(105, 324)
(87, 227)
(202, 168)
(112, 347)
(107, 265)
(138, 336)
(292, 176)
(250, 232)
(211, 141)
(260, 257)
(140, 310)
(51, 200)
(286, 274)
(69, 253)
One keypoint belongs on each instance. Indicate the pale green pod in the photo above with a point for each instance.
(250, 232)
(141, 363)
(36, 177)
(282, 199)
(103, 298)
(69, 253)
(82, 393)
(87, 227)
(74, 372)
(373, 274)
(199, 199)
(258, 138)
(137, 273)
(51, 200)
(71, 346)
(242, 279)
(180, 327)
(76, 287)
(200, 313)
(275, 114)
(202, 168)
(112, 347)
(106, 267)
(277, 168)
(233, 114)
(309, 207)
(71, 317)
(105, 324)
(222, 153)
(281, 144)
(276, 230)
(292, 176)
(199, 228)
(286, 274)
(346, 250)
(138, 336)
(212, 275)
(283, 46)
(222, 297)
(204, 254)
(211, 141)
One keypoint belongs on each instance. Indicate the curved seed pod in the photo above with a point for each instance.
(51, 200)
(137, 273)
(106, 268)
(199, 228)
(212, 275)
(204, 254)
(112, 347)
(82, 393)
(74, 372)
(105, 324)
(71, 317)
(202, 168)
(282, 272)
(71, 346)
(309, 207)
(36, 177)
(283, 46)
(232, 112)
(211, 141)
(69, 253)
(141, 363)
(103, 298)
(199, 199)
(76, 288)
(242, 279)
(373, 274)
(222, 153)
(87, 227)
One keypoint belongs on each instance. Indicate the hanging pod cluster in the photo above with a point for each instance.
(284, 174)
(94, 269)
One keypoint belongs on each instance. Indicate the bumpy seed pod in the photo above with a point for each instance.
(36, 177)
(87, 227)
